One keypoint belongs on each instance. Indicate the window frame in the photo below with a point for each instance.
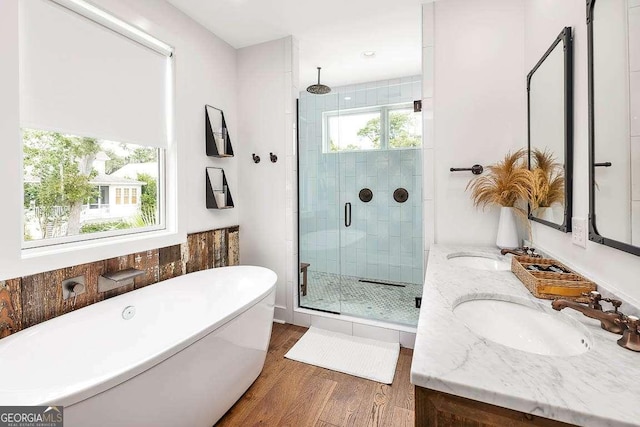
(384, 111)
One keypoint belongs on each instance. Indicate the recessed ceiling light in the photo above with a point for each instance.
(368, 54)
(347, 98)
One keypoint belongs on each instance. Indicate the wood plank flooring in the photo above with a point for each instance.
(290, 393)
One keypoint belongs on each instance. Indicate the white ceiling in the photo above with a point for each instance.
(332, 33)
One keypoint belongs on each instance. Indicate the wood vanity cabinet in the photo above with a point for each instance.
(437, 409)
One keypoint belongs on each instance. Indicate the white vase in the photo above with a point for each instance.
(507, 229)
(545, 213)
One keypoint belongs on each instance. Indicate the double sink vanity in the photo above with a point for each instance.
(488, 352)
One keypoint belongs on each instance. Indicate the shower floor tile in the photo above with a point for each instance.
(347, 295)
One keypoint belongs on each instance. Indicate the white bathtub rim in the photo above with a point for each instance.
(102, 384)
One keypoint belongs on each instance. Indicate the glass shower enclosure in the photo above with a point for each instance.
(360, 200)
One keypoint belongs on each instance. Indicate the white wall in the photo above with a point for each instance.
(634, 103)
(479, 107)
(613, 269)
(205, 73)
(267, 85)
(428, 128)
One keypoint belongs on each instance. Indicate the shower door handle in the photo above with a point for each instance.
(347, 214)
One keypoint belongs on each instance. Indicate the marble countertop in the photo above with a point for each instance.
(600, 387)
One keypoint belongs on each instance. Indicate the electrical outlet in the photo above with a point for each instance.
(579, 232)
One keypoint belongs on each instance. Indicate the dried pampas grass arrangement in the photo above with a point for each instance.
(507, 182)
(547, 180)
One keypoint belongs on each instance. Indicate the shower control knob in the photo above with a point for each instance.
(401, 195)
(365, 195)
(76, 288)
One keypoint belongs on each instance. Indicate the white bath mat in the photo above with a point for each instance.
(361, 357)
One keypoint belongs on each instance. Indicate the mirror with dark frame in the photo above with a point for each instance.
(614, 123)
(550, 132)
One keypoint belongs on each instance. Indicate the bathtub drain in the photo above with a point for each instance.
(128, 312)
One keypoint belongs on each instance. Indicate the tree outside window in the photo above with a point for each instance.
(373, 128)
(69, 179)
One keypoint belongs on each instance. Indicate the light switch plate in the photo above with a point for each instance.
(579, 232)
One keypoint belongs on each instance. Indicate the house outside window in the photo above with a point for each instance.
(55, 181)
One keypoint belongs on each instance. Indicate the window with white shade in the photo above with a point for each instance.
(95, 112)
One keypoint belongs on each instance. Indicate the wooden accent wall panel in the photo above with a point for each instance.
(29, 300)
(40, 300)
(10, 307)
(437, 409)
(170, 260)
(233, 243)
(220, 250)
(149, 263)
(199, 256)
(210, 249)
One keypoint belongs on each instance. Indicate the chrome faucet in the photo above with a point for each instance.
(612, 321)
(109, 281)
(523, 251)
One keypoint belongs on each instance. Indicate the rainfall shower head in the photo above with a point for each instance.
(318, 89)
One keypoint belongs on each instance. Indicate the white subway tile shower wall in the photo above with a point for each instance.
(384, 241)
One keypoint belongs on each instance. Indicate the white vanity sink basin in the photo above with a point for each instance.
(524, 325)
(479, 261)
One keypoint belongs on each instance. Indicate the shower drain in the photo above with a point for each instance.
(378, 282)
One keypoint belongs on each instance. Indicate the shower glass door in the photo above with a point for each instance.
(319, 208)
(357, 146)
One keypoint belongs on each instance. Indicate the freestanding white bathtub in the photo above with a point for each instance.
(194, 345)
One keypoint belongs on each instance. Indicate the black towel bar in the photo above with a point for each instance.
(475, 169)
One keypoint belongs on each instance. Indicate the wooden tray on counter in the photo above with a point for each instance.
(550, 285)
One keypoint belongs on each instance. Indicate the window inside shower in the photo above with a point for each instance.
(361, 248)
(382, 127)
